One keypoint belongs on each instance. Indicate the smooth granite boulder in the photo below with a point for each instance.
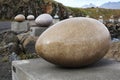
(30, 17)
(74, 42)
(44, 20)
(19, 18)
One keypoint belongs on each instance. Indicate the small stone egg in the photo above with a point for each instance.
(30, 17)
(44, 20)
(19, 18)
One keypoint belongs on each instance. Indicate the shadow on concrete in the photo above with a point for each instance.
(101, 63)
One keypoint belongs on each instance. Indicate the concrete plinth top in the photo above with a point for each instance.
(39, 69)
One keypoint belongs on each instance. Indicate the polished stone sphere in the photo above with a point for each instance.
(30, 17)
(74, 42)
(19, 18)
(44, 20)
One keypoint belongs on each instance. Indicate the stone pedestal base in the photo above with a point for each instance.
(36, 31)
(39, 69)
(19, 26)
(55, 21)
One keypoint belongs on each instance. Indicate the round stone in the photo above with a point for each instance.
(74, 42)
(19, 18)
(44, 20)
(30, 17)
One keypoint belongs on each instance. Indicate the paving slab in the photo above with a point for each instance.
(39, 69)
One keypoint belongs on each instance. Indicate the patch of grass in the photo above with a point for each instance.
(95, 12)
(28, 56)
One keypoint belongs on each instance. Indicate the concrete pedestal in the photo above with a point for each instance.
(39, 69)
(31, 23)
(101, 20)
(19, 26)
(55, 21)
(36, 31)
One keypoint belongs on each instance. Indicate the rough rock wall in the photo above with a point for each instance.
(10, 8)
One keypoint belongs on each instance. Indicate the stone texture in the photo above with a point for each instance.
(38, 69)
(29, 44)
(9, 41)
(10, 46)
(19, 26)
(37, 31)
(74, 42)
(31, 23)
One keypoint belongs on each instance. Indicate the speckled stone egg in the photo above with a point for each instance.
(44, 20)
(30, 17)
(19, 18)
(74, 42)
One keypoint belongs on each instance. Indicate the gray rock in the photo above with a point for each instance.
(13, 57)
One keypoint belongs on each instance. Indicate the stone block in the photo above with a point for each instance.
(39, 69)
(31, 23)
(101, 20)
(55, 21)
(19, 26)
(36, 31)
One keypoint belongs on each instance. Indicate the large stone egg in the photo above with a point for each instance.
(44, 20)
(30, 17)
(74, 42)
(19, 18)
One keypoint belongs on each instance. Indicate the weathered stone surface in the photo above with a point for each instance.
(19, 26)
(29, 44)
(10, 42)
(37, 31)
(74, 42)
(44, 20)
